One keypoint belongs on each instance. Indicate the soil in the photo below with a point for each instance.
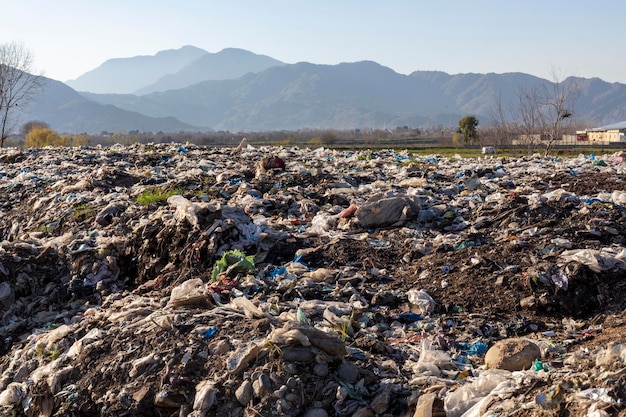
(487, 287)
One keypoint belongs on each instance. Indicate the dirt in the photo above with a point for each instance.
(486, 287)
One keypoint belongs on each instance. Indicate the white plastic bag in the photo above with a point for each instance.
(461, 401)
(420, 298)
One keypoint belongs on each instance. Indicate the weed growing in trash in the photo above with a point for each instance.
(53, 352)
(345, 326)
(83, 209)
(273, 348)
(157, 195)
(49, 353)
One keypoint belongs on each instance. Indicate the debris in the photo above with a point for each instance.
(318, 282)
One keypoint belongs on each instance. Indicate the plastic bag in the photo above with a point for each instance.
(420, 298)
(432, 360)
(597, 260)
(459, 402)
(185, 209)
(232, 262)
(190, 292)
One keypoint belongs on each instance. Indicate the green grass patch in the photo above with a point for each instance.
(83, 210)
(157, 195)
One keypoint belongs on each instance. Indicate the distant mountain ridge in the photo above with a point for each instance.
(227, 64)
(126, 75)
(67, 111)
(271, 95)
(170, 69)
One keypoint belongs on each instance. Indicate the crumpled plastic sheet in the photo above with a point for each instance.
(597, 260)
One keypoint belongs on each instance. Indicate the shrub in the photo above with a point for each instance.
(315, 142)
(81, 140)
(39, 137)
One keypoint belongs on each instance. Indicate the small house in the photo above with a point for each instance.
(604, 135)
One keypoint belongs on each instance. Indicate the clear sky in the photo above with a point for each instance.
(574, 37)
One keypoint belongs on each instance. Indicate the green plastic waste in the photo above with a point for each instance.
(232, 263)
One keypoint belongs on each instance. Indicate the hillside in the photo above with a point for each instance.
(242, 91)
(67, 111)
(356, 95)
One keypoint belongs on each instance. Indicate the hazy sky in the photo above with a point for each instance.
(574, 37)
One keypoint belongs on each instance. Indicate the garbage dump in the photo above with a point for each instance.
(169, 280)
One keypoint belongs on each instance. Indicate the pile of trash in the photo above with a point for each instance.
(175, 280)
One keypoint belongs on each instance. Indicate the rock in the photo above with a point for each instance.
(297, 354)
(292, 397)
(316, 412)
(348, 372)
(380, 403)
(320, 369)
(261, 386)
(512, 354)
(244, 393)
(291, 368)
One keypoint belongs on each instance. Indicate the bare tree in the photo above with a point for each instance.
(17, 84)
(528, 118)
(558, 101)
(500, 132)
(547, 109)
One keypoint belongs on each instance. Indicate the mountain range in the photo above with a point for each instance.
(189, 89)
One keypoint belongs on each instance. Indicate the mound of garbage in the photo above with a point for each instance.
(176, 280)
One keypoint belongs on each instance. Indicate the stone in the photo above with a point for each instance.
(316, 412)
(297, 354)
(512, 354)
(262, 386)
(348, 373)
(380, 403)
(321, 369)
(244, 393)
(292, 397)
(291, 368)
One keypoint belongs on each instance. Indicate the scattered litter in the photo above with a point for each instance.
(170, 279)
